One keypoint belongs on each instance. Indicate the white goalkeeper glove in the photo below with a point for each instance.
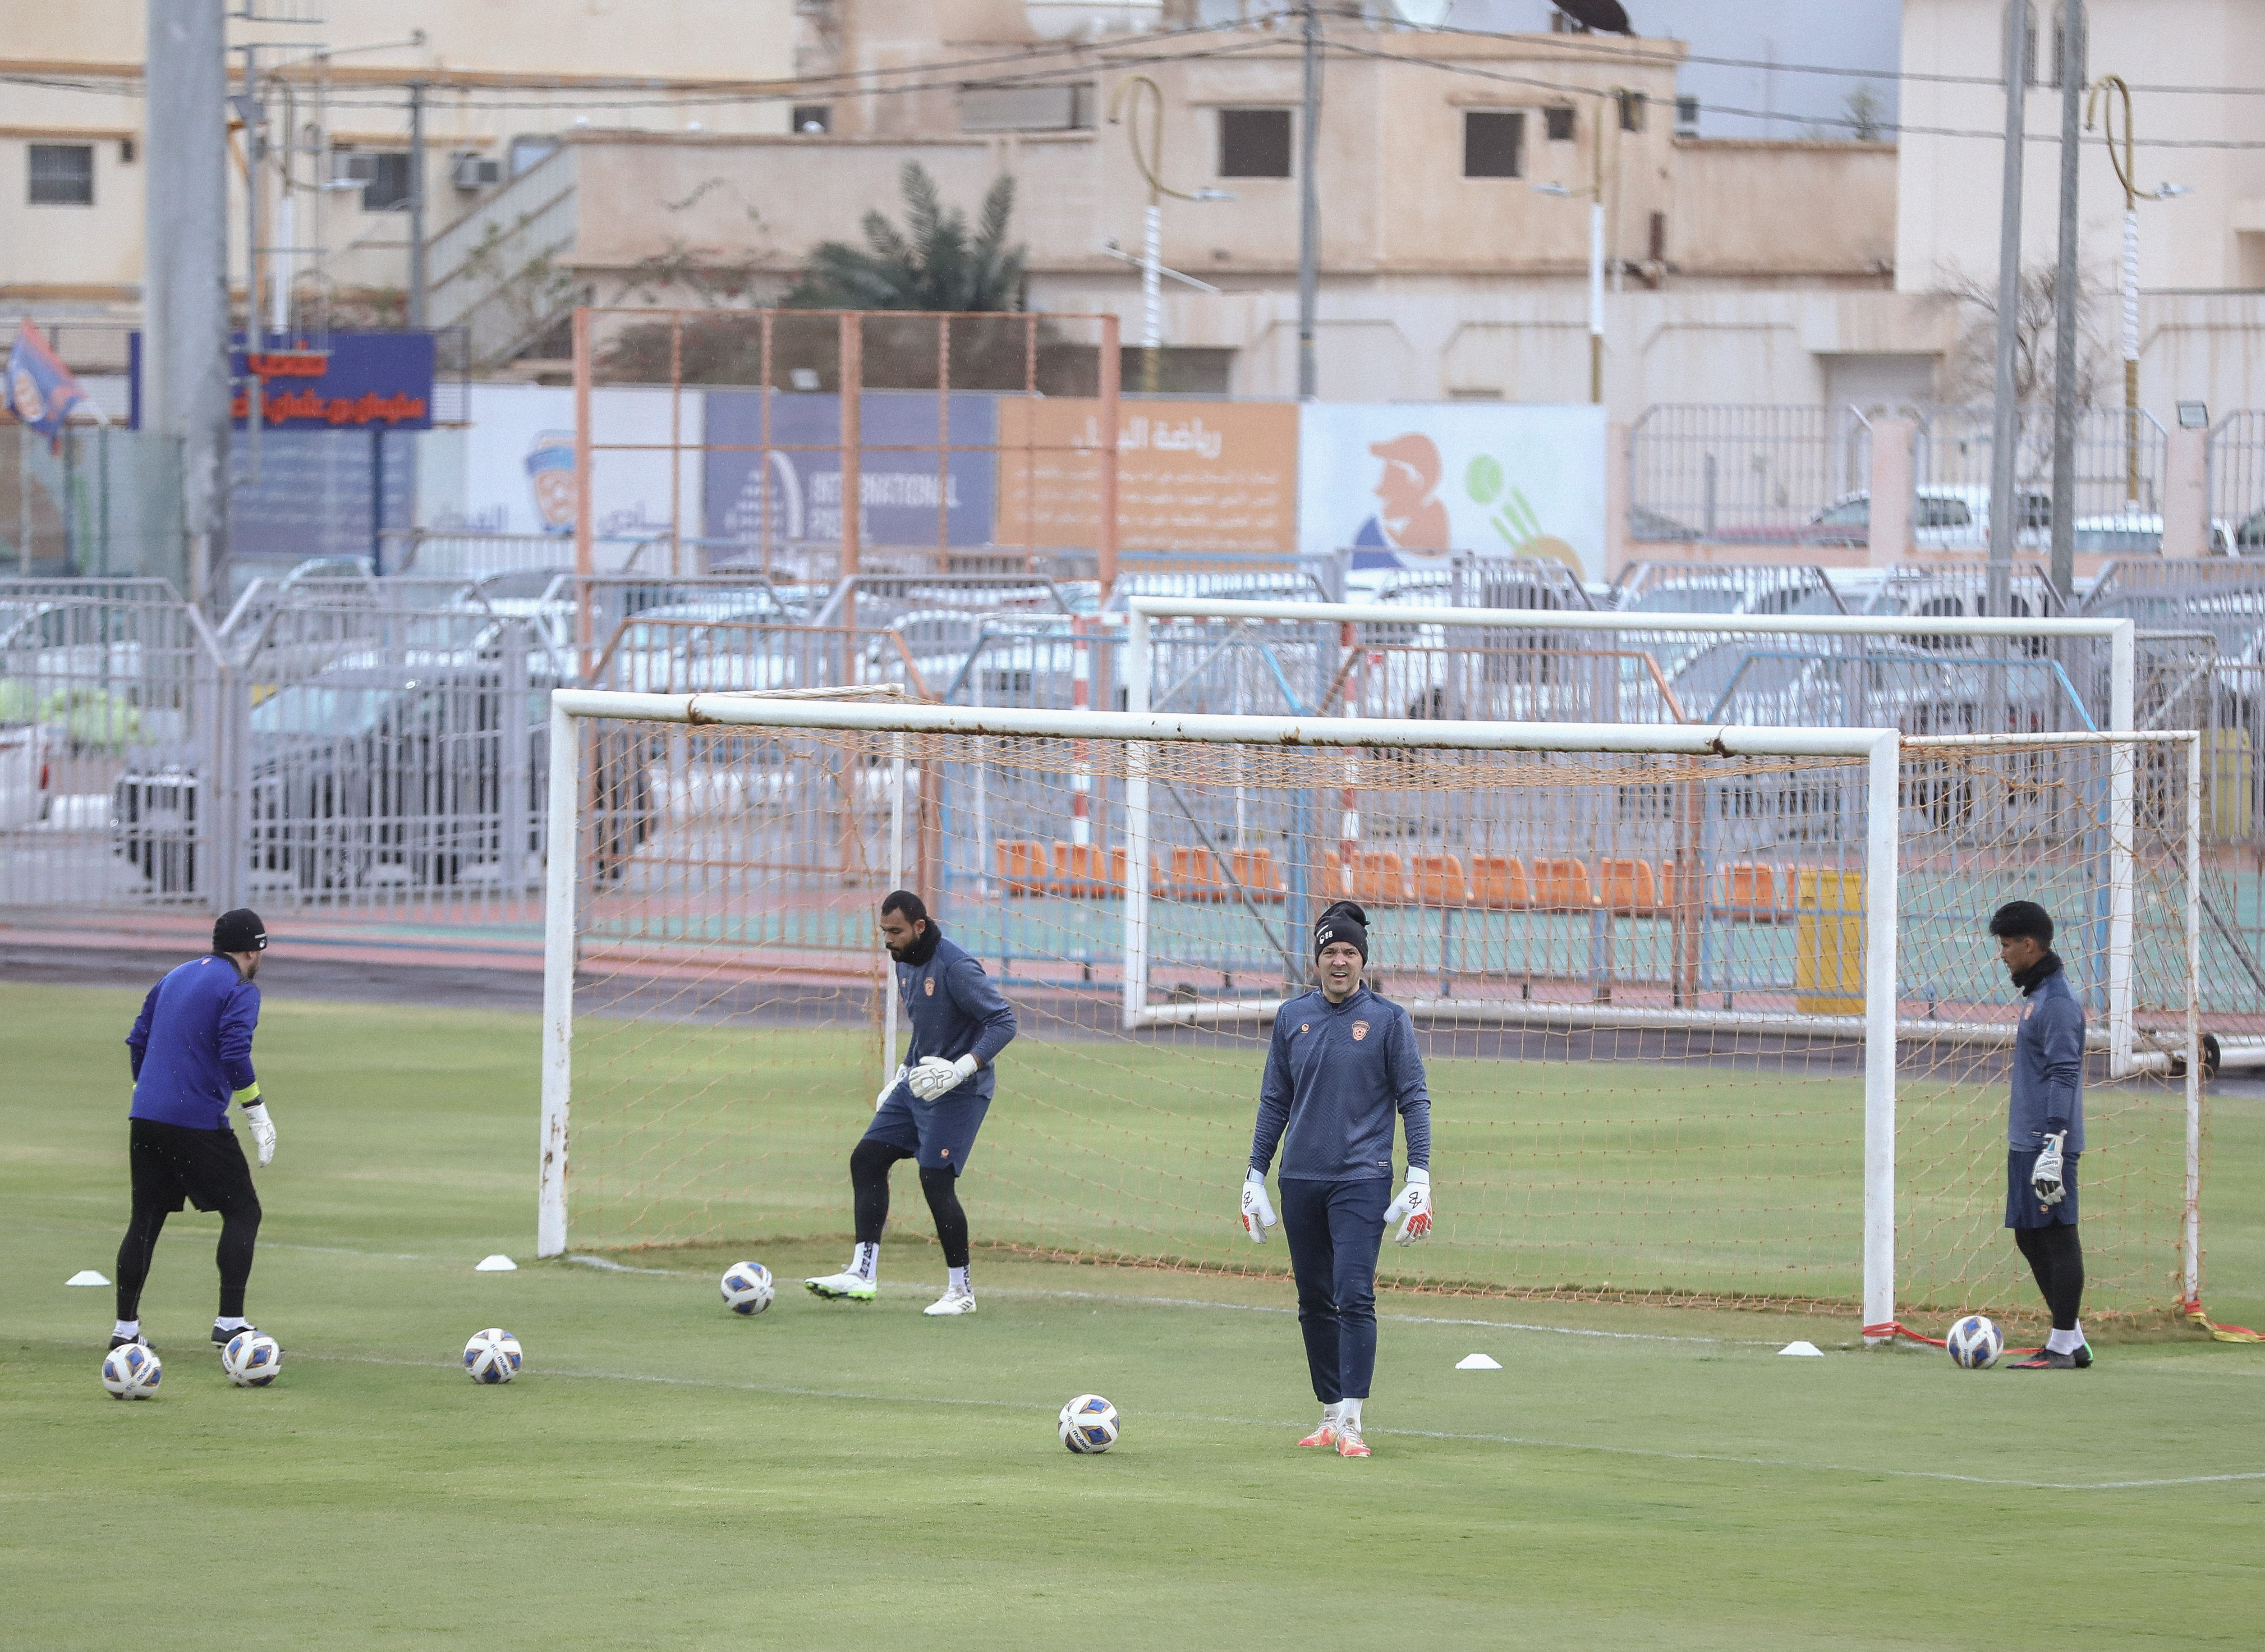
(2045, 1178)
(263, 1131)
(890, 1088)
(935, 1076)
(1258, 1210)
(1413, 1207)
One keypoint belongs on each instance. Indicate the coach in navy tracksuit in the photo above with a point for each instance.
(191, 1053)
(2044, 1129)
(1342, 1064)
(931, 1108)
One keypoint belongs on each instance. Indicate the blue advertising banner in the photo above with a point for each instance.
(314, 495)
(344, 381)
(797, 479)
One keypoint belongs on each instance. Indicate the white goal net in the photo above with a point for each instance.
(1710, 1015)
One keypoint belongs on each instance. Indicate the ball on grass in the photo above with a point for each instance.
(492, 1356)
(1974, 1343)
(1088, 1425)
(132, 1372)
(252, 1359)
(747, 1287)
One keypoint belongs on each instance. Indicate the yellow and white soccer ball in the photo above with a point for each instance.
(492, 1356)
(252, 1359)
(1089, 1424)
(747, 1287)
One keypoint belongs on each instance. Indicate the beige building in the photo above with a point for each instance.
(1741, 271)
(503, 79)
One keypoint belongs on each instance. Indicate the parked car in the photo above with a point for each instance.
(1942, 519)
(2135, 534)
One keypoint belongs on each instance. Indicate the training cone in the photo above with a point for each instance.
(86, 1276)
(496, 1264)
(1805, 1350)
(1477, 1362)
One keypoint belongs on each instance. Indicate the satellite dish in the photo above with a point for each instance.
(1422, 14)
(1606, 17)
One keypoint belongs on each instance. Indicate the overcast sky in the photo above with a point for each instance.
(1856, 34)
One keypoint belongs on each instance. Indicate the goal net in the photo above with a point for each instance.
(1710, 1015)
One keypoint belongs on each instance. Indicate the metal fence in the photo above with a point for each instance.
(2237, 479)
(103, 502)
(1748, 475)
(2119, 480)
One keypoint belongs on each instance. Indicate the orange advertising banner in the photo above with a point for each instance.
(1200, 478)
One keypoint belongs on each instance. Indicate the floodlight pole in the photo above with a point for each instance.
(1309, 208)
(2005, 428)
(2071, 68)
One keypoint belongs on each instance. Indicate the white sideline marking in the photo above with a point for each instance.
(1420, 1434)
(622, 1267)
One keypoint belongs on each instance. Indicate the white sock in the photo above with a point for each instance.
(126, 1327)
(866, 1263)
(1332, 1411)
(1349, 1413)
(2065, 1342)
(955, 1282)
(225, 1324)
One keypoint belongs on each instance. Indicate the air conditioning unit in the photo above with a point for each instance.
(475, 171)
(349, 168)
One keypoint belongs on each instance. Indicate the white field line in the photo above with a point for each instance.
(858, 1396)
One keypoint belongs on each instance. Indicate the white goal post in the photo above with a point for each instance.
(1136, 738)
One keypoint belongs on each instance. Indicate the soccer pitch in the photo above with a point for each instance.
(668, 1475)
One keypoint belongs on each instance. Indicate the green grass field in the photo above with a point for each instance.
(666, 1475)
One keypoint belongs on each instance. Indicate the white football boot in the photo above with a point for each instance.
(949, 1303)
(842, 1287)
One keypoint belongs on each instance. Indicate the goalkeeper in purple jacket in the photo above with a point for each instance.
(1343, 1069)
(191, 1053)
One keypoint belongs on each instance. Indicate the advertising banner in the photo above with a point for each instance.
(516, 474)
(904, 478)
(1202, 478)
(314, 492)
(1405, 484)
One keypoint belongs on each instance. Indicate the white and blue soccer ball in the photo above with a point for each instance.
(1089, 1424)
(492, 1356)
(1974, 1343)
(747, 1287)
(132, 1372)
(252, 1359)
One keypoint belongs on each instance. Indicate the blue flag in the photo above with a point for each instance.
(41, 390)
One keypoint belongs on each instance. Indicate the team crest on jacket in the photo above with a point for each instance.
(1360, 1031)
(928, 986)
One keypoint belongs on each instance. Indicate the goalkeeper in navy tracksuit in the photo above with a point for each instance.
(931, 1107)
(191, 1053)
(1342, 1064)
(2044, 1131)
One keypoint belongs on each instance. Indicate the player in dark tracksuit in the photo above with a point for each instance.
(191, 1053)
(1343, 1063)
(932, 1107)
(2044, 1131)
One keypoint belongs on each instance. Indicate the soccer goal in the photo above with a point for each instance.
(1711, 1013)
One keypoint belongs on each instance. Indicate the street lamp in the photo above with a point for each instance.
(1595, 191)
(1151, 241)
(2107, 89)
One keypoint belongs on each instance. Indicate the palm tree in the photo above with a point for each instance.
(932, 264)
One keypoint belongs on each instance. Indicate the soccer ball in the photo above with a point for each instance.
(1089, 1424)
(132, 1372)
(251, 1360)
(492, 1356)
(746, 1287)
(1974, 1343)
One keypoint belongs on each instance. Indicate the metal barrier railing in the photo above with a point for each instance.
(2237, 479)
(1747, 474)
(2119, 481)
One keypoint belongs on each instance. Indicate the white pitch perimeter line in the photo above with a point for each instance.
(1421, 1434)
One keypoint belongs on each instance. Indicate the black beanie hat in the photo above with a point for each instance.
(1342, 921)
(239, 931)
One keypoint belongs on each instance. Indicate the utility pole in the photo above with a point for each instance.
(417, 204)
(184, 278)
(1309, 208)
(2005, 429)
(2064, 282)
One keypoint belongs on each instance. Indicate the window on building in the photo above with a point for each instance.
(1493, 143)
(1025, 108)
(383, 176)
(1686, 116)
(62, 175)
(814, 118)
(1557, 124)
(1254, 143)
(530, 148)
(125, 151)
(1634, 105)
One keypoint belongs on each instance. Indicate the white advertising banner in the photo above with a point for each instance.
(518, 467)
(1405, 484)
